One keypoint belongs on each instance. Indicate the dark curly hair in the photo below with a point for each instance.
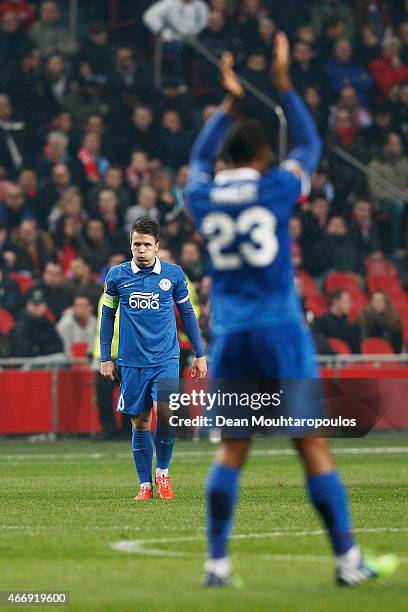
(146, 226)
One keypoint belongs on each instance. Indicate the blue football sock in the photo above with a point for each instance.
(142, 447)
(328, 495)
(164, 449)
(222, 494)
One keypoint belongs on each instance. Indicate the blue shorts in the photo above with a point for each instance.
(286, 351)
(280, 353)
(138, 386)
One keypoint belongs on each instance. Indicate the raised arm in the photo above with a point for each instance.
(302, 127)
(209, 141)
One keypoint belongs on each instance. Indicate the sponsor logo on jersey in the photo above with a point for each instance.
(165, 284)
(144, 301)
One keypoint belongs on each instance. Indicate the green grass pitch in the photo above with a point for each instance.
(63, 504)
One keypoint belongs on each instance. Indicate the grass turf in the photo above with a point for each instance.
(62, 505)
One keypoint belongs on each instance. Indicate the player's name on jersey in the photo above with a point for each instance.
(235, 194)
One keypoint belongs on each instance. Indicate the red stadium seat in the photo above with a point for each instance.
(342, 280)
(306, 285)
(6, 321)
(382, 282)
(23, 281)
(376, 346)
(341, 347)
(316, 304)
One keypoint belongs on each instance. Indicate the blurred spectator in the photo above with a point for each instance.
(48, 35)
(93, 162)
(129, 80)
(107, 210)
(53, 189)
(70, 203)
(33, 247)
(24, 10)
(67, 241)
(97, 49)
(333, 29)
(315, 220)
(304, 70)
(335, 323)
(363, 231)
(342, 70)
(321, 184)
(55, 82)
(383, 123)
(13, 209)
(391, 163)
(77, 324)
(15, 139)
(170, 17)
(192, 262)
(388, 71)
(146, 206)
(34, 335)
(403, 34)
(368, 46)
(112, 181)
(80, 280)
(82, 99)
(142, 132)
(266, 35)
(138, 170)
(54, 290)
(10, 295)
(97, 248)
(314, 101)
(249, 14)
(174, 143)
(376, 13)
(55, 152)
(380, 319)
(27, 180)
(11, 42)
(401, 113)
(24, 88)
(348, 101)
(180, 186)
(336, 251)
(330, 14)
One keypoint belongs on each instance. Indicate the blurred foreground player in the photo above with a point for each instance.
(146, 290)
(243, 214)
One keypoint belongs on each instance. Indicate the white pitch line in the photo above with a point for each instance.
(386, 450)
(144, 546)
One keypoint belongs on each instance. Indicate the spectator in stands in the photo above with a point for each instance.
(24, 10)
(317, 107)
(342, 70)
(380, 319)
(170, 17)
(174, 143)
(180, 186)
(333, 29)
(321, 183)
(142, 132)
(10, 295)
(368, 46)
(27, 97)
(81, 280)
(94, 164)
(384, 122)
(363, 231)
(33, 247)
(315, 220)
(97, 248)
(129, 80)
(112, 181)
(391, 163)
(13, 209)
(304, 69)
(108, 211)
(34, 335)
(388, 71)
(146, 206)
(401, 113)
(192, 262)
(348, 100)
(55, 152)
(335, 323)
(266, 35)
(48, 35)
(15, 139)
(27, 180)
(11, 43)
(70, 203)
(335, 251)
(138, 170)
(54, 289)
(78, 324)
(52, 190)
(67, 240)
(97, 49)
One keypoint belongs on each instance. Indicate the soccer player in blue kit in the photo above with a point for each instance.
(243, 214)
(146, 290)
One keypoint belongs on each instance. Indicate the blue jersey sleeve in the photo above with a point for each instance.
(206, 148)
(109, 307)
(180, 290)
(111, 293)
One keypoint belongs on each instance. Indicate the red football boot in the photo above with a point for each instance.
(164, 490)
(144, 493)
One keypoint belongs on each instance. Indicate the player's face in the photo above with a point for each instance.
(144, 248)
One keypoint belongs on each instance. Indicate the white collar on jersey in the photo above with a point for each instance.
(156, 267)
(236, 174)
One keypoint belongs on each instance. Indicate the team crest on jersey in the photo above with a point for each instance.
(144, 301)
(165, 284)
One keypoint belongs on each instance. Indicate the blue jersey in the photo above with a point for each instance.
(244, 219)
(147, 330)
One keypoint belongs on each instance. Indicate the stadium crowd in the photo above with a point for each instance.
(88, 145)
